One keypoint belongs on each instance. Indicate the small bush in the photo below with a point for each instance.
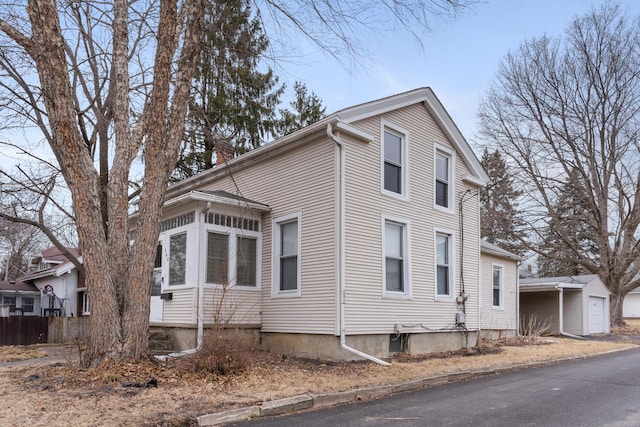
(531, 327)
(224, 352)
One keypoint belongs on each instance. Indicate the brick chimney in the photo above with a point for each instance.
(224, 152)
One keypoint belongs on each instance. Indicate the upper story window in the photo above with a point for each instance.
(286, 255)
(497, 287)
(394, 160)
(396, 257)
(444, 162)
(444, 265)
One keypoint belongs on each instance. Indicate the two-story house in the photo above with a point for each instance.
(356, 236)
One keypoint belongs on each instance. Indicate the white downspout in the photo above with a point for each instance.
(518, 263)
(342, 253)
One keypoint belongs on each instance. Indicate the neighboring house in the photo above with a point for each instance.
(499, 288)
(576, 305)
(61, 289)
(631, 304)
(19, 298)
(356, 236)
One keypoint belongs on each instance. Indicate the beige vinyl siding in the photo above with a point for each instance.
(182, 308)
(504, 317)
(367, 311)
(305, 181)
(573, 312)
(234, 306)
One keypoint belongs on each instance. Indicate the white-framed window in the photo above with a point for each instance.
(497, 280)
(156, 279)
(445, 282)
(286, 279)
(396, 262)
(11, 302)
(395, 164)
(246, 261)
(28, 304)
(217, 258)
(86, 308)
(177, 259)
(443, 182)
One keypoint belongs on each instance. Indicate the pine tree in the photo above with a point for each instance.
(307, 109)
(233, 102)
(570, 238)
(500, 222)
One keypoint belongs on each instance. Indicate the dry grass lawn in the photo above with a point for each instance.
(42, 394)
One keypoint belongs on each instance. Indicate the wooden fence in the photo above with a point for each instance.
(25, 330)
(19, 330)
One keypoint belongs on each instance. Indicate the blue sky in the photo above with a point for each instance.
(459, 59)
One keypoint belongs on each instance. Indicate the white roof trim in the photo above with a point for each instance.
(195, 195)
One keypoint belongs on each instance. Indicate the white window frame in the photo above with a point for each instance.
(232, 255)
(186, 252)
(276, 236)
(387, 126)
(451, 172)
(452, 263)
(406, 257)
(500, 268)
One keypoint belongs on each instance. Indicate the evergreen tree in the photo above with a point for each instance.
(307, 109)
(570, 236)
(233, 102)
(500, 221)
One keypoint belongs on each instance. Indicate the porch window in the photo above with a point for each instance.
(177, 259)
(27, 304)
(246, 261)
(11, 302)
(217, 258)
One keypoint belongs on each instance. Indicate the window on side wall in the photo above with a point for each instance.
(286, 265)
(177, 259)
(443, 179)
(394, 160)
(444, 267)
(394, 257)
(497, 287)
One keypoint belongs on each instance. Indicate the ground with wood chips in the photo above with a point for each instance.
(42, 393)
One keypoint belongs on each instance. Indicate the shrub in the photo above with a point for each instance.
(224, 352)
(531, 327)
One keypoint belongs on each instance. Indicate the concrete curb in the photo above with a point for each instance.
(301, 402)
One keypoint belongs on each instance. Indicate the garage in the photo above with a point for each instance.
(572, 305)
(631, 305)
(596, 315)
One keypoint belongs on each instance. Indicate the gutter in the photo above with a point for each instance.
(342, 252)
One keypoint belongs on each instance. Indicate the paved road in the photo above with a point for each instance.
(600, 391)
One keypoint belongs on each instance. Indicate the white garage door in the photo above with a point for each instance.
(596, 315)
(631, 306)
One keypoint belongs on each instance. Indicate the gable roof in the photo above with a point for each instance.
(17, 286)
(560, 282)
(53, 256)
(342, 121)
(491, 249)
